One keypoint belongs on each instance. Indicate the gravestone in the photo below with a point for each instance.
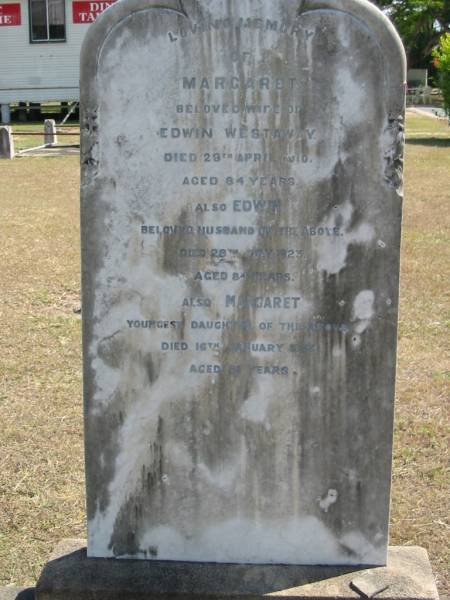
(50, 135)
(6, 142)
(241, 214)
(5, 113)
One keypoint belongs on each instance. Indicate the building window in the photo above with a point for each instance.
(47, 21)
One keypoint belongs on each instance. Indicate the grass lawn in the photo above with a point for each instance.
(41, 439)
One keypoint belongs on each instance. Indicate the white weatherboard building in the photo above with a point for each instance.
(40, 42)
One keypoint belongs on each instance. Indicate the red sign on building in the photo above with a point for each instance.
(10, 15)
(87, 12)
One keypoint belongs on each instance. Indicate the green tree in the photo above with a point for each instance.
(420, 24)
(442, 62)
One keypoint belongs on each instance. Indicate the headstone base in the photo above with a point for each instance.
(70, 575)
(16, 593)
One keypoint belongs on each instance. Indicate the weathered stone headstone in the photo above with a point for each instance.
(50, 135)
(5, 113)
(241, 213)
(6, 142)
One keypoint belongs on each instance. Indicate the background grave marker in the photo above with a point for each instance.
(6, 142)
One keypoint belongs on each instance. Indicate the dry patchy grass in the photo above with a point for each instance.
(421, 482)
(41, 459)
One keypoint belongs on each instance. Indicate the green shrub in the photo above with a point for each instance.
(441, 57)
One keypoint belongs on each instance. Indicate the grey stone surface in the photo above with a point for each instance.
(241, 213)
(50, 135)
(71, 575)
(6, 142)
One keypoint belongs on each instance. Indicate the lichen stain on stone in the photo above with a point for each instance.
(328, 500)
(171, 246)
(110, 349)
(89, 145)
(134, 511)
(394, 153)
(101, 455)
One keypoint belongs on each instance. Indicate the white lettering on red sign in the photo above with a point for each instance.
(87, 12)
(10, 15)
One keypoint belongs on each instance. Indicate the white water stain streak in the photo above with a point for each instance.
(363, 310)
(303, 540)
(332, 251)
(140, 425)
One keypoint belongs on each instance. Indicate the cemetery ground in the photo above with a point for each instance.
(41, 439)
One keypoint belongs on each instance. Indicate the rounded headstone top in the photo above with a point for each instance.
(364, 11)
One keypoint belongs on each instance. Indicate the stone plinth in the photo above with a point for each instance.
(16, 593)
(71, 575)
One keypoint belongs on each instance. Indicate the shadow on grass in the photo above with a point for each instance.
(429, 141)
